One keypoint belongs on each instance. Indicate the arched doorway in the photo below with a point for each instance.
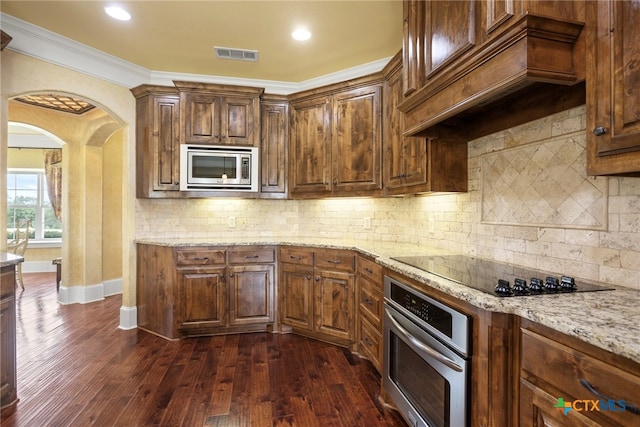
(92, 159)
(22, 74)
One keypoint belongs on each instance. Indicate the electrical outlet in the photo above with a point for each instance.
(232, 222)
(367, 223)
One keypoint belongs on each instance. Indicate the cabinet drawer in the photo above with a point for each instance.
(252, 256)
(335, 260)
(199, 256)
(298, 256)
(369, 269)
(564, 368)
(370, 300)
(370, 343)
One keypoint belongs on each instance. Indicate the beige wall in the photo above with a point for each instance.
(608, 253)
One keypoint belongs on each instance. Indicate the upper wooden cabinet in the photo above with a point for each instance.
(219, 114)
(336, 137)
(310, 147)
(273, 146)
(157, 141)
(462, 54)
(417, 164)
(613, 98)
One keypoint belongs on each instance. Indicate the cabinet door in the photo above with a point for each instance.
(357, 140)
(405, 157)
(334, 307)
(201, 118)
(7, 347)
(310, 147)
(273, 154)
(203, 298)
(251, 294)
(613, 101)
(166, 143)
(237, 120)
(296, 296)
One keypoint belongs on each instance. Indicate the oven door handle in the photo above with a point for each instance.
(431, 352)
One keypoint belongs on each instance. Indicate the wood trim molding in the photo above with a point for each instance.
(4, 39)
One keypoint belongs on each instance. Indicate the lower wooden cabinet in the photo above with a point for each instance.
(296, 296)
(8, 377)
(333, 304)
(566, 382)
(202, 299)
(251, 299)
(190, 291)
(317, 292)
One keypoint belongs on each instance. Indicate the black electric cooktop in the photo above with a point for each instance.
(499, 279)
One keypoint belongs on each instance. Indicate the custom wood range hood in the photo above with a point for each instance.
(483, 60)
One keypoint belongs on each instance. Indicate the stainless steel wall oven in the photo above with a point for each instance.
(426, 357)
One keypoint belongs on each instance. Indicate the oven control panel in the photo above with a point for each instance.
(426, 311)
(439, 319)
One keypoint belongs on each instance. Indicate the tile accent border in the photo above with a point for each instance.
(543, 184)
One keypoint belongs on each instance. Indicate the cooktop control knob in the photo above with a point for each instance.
(503, 288)
(535, 285)
(552, 284)
(567, 284)
(520, 287)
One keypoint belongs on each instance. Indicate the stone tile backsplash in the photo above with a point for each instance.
(608, 249)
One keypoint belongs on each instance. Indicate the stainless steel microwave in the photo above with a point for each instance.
(218, 168)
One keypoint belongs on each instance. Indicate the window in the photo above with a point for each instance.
(27, 198)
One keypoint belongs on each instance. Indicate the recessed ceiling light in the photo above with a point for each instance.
(301, 34)
(116, 12)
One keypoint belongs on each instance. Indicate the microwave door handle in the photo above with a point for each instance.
(431, 352)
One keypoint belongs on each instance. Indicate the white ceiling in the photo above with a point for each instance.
(179, 36)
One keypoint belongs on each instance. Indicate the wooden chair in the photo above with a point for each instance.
(18, 246)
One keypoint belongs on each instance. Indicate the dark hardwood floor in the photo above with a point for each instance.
(76, 368)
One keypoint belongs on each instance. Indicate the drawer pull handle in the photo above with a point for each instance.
(201, 258)
(251, 256)
(368, 302)
(368, 270)
(333, 261)
(295, 257)
(367, 341)
(627, 406)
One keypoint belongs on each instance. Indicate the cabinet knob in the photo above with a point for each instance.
(599, 130)
(230, 274)
(308, 277)
(317, 278)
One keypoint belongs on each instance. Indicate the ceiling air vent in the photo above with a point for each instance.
(237, 54)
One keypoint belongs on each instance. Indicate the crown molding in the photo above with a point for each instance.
(48, 46)
(34, 41)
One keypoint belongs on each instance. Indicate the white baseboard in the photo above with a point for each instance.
(128, 318)
(112, 287)
(91, 293)
(38, 267)
(80, 294)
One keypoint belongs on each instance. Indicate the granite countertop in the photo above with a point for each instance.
(7, 259)
(609, 320)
